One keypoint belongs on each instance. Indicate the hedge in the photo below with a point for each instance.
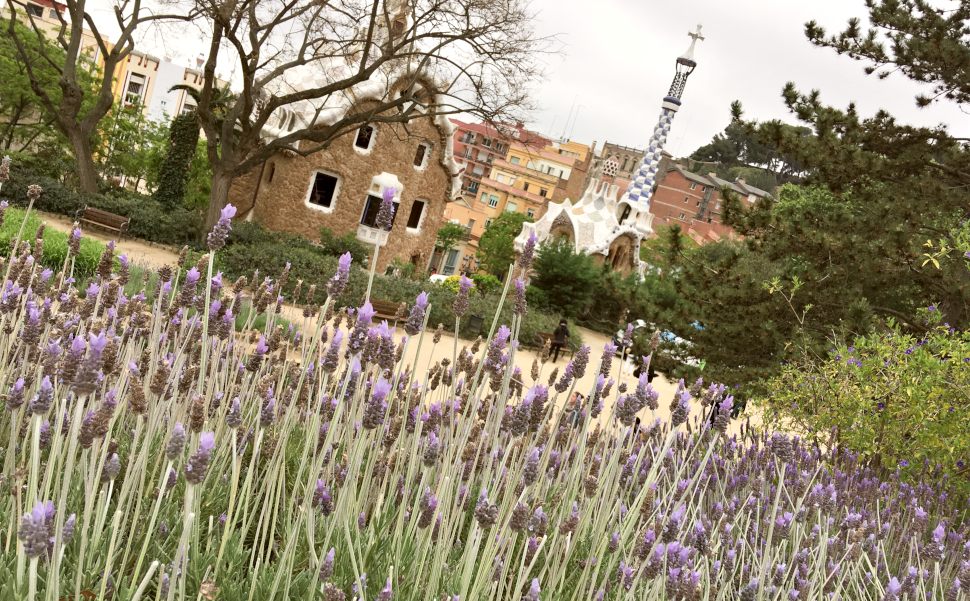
(251, 248)
(150, 220)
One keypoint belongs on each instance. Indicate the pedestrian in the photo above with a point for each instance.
(559, 338)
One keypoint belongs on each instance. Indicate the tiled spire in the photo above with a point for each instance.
(641, 186)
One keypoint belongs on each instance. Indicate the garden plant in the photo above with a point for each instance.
(152, 450)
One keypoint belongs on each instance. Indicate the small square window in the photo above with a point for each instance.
(53, 13)
(542, 192)
(681, 216)
(514, 160)
(531, 213)
(511, 207)
(686, 199)
(323, 191)
(417, 211)
(693, 185)
(35, 11)
(493, 201)
(421, 156)
(365, 138)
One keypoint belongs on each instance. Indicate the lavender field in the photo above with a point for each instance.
(153, 450)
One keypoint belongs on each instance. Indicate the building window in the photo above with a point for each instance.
(514, 160)
(421, 156)
(471, 224)
(543, 192)
(417, 212)
(52, 13)
(136, 89)
(525, 186)
(188, 107)
(473, 187)
(693, 185)
(686, 199)
(703, 188)
(372, 207)
(487, 142)
(493, 201)
(681, 216)
(488, 222)
(511, 207)
(365, 138)
(478, 170)
(625, 213)
(323, 190)
(35, 11)
(531, 213)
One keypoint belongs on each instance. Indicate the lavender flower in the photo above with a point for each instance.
(220, 231)
(415, 322)
(45, 396)
(461, 300)
(173, 450)
(377, 405)
(198, 464)
(35, 529)
(326, 568)
(528, 254)
(385, 215)
(338, 282)
(533, 594)
(520, 304)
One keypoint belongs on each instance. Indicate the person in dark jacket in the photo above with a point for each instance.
(559, 338)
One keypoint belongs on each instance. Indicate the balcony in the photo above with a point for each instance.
(371, 235)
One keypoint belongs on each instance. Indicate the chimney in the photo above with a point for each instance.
(199, 61)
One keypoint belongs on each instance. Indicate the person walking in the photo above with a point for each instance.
(559, 338)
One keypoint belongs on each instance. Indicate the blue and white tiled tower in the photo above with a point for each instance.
(641, 186)
(605, 222)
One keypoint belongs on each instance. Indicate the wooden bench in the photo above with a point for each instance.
(385, 310)
(104, 219)
(543, 337)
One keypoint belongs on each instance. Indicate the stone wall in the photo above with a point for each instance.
(282, 193)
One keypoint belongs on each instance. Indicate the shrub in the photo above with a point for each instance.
(895, 399)
(568, 279)
(335, 245)
(486, 283)
(150, 220)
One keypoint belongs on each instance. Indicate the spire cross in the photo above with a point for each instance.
(696, 35)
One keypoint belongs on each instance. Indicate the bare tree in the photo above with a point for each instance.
(301, 67)
(78, 109)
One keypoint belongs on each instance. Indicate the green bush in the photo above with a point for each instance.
(895, 399)
(55, 244)
(150, 220)
(568, 280)
(335, 245)
(486, 283)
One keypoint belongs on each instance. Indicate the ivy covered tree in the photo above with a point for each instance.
(176, 167)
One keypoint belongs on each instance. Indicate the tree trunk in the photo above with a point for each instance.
(87, 173)
(218, 197)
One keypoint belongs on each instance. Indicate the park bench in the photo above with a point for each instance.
(104, 219)
(385, 310)
(543, 337)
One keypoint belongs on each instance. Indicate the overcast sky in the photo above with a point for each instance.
(617, 61)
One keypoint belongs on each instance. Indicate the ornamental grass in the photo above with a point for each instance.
(152, 449)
